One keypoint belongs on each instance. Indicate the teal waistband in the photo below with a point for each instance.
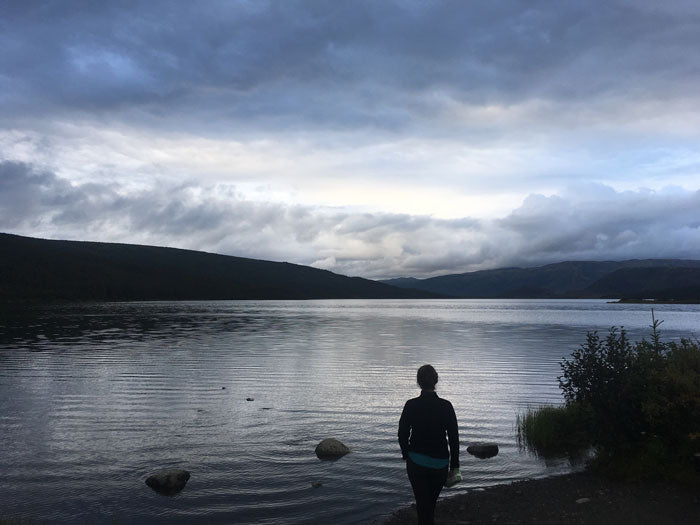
(428, 461)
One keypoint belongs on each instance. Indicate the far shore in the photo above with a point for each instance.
(578, 498)
(656, 301)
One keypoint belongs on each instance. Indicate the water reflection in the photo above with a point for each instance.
(93, 398)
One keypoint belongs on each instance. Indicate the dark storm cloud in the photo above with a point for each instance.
(592, 222)
(335, 63)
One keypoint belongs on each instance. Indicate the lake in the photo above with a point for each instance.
(95, 397)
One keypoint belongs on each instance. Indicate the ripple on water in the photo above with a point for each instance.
(95, 398)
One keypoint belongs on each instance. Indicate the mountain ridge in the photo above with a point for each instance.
(43, 269)
(632, 278)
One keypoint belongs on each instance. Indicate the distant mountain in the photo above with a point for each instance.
(39, 269)
(680, 283)
(647, 278)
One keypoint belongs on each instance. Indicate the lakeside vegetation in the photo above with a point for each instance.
(635, 407)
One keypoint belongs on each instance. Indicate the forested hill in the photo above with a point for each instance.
(632, 279)
(39, 269)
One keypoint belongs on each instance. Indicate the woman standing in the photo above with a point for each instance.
(424, 423)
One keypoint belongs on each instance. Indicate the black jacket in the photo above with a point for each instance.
(424, 422)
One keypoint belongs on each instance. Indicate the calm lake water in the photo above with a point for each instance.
(94, 398)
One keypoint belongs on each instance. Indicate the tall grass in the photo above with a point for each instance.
(554, 431)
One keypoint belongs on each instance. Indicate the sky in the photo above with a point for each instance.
(370, 138)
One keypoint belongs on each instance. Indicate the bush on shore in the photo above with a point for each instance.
(636, 404)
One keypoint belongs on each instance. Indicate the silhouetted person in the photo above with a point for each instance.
(426, 426)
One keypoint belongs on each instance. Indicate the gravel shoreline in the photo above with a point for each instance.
(579, 498)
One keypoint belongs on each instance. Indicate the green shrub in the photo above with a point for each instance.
(637, 404)
(672, 406)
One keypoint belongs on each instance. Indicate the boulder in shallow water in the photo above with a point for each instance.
(331, 449)
(168, 482)
(483, 450)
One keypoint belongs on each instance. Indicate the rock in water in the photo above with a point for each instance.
(168, 482)
(483, 450)
(331, 448)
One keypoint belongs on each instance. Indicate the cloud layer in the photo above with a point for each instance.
(342, 62)
(592, 222)
(371, 138)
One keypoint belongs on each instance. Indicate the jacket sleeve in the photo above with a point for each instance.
(453, 436)
(404, 430)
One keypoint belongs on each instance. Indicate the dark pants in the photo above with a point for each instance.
(427, 484)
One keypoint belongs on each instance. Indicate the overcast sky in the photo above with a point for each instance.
(371, 138)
